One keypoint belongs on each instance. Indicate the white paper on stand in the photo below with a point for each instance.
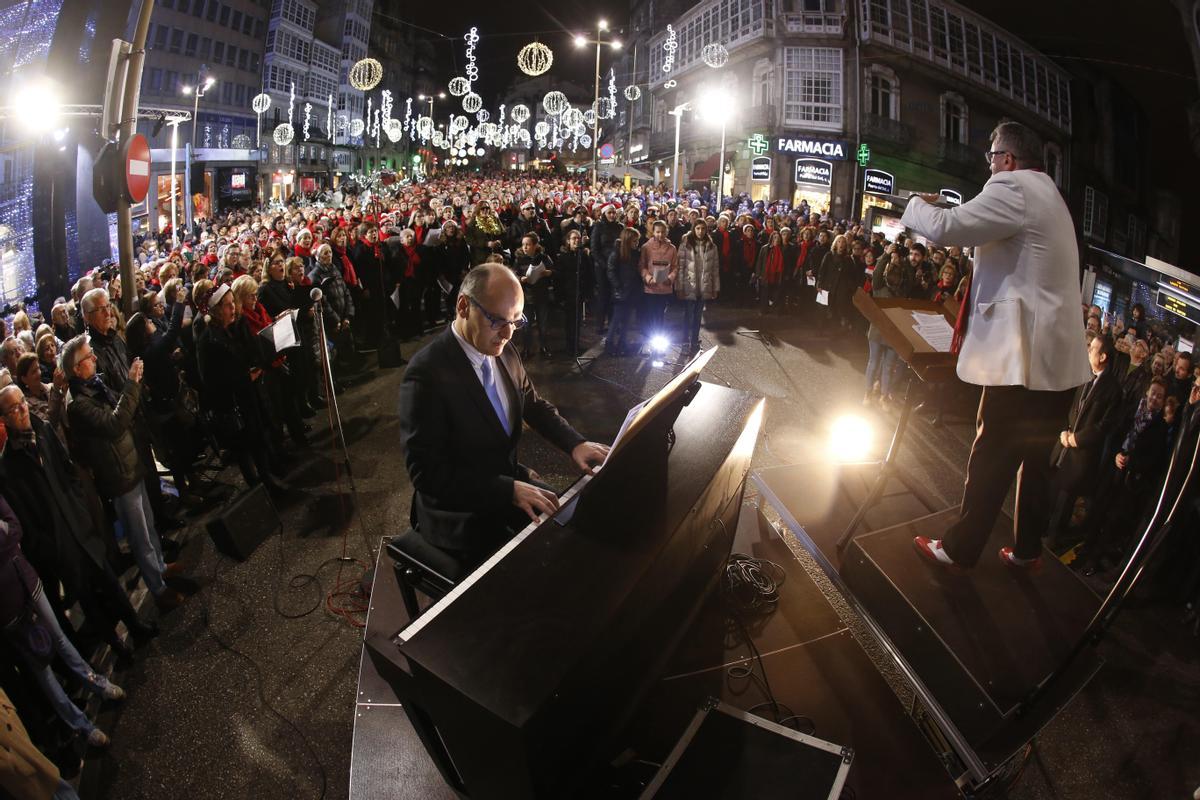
(283, 332)
(823, 297)
(935, 330)
(396, 297)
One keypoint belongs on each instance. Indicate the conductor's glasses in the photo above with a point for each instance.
(499, 322)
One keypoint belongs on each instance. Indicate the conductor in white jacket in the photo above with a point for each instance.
(1023, 342)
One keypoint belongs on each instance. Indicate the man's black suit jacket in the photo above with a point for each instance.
(1094, 415)
(461, 462)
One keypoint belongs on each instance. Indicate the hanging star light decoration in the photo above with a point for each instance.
(535, 58)
(366, 74)
(670, 46)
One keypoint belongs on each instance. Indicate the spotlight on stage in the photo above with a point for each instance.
(659, 345)
(850, 438)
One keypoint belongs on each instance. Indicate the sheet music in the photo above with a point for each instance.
(934, 329)
(823, 297)
(633, 412)
(282, 332)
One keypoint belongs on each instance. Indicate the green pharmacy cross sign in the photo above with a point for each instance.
(863, 155)
(758, 144)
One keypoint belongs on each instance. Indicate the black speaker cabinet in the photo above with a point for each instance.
(243, 524)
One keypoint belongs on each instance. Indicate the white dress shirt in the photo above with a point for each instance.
(498, 372)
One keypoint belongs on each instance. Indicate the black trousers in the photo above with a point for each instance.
(1014, 432)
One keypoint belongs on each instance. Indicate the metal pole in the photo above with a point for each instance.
(678, 112)
(197, 92)
(596, 114)
(174, 222)
(721, 168)
(133, 83)
(629, 145)
(187, 186)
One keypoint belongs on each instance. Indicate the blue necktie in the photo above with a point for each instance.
(493, 393)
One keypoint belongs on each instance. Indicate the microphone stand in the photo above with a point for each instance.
(334, 412)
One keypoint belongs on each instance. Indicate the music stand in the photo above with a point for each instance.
(892, 317)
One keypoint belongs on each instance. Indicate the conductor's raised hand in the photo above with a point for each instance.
(534, 500)
(929, 197)
(589, 455)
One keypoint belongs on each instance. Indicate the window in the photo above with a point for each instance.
(219, 52)
(205, 48)
(254, 64)
(231, 54)
(882, 93)
(258, 28)
(176, 40)
(197, 8)
(1052, 160)
(763, 78)
(171, 82)
(244, 59)
(236, 23)
(190, 48)
(160, 37)
(156, 81)
(1095, 214)
(248, 25)
(227, 94)
(224, 18)
(239, 94)
(727, 21)
(954, 118)
(168, 3)
(211, 16)
(812, 91)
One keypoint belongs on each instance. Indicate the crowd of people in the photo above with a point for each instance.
(92, 400)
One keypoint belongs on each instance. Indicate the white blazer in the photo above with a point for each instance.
(1025, 328)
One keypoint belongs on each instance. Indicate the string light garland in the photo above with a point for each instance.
(366, 74)
(329, 118)
(714, 55)
(307, 119)
(472, 39)
(572, 117)
(425, 127)
(283, 134)
(671, 84)
(385, 104)
(670, 46)
(611, 110)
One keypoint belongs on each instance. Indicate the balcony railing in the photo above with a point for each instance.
(886, 129)
(959, 153)
(814, 22)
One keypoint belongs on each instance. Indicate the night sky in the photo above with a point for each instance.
(1140, 45)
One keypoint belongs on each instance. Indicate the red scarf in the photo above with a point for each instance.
(414, 258)
(749, 250)
(303, 252)
(725, 248)
(257, 318)
(773, 269)
(348, 273)
(964, 312)
(804, 245)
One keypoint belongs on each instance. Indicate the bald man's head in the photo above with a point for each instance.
(489, 307)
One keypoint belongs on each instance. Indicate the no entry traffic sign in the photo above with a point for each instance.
(137, 168)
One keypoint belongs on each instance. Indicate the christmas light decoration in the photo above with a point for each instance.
(519, 113)
(715, 55)
(535, 58)
(555, 103)
(283, 134)
(393, 129)
(291, 102)
(241, 142)
(541, 129)
(385, 104)
(425, 127)
(572, 117)
(472, 38)
(472, 102)
(671, 84)
(632, 93)
(329, 118)
(260, 104)
(458, 86)
(670, 46)
(585, 141)
(366, 74)
(483, 115)
(307, 119)
(612, 95)
(357, 126)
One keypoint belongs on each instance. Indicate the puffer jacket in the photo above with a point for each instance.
(102, 435)
(604, 239)
(699, 275)
(625, 275)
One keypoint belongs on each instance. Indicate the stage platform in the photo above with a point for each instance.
(974, 646)
(813, 663)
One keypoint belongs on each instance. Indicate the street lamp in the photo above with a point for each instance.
(615, 44)
(197, 92)
(429, 98)
(717, 104)
(677, 112)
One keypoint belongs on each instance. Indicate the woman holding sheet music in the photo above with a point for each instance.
(535, 270)
(658, 266)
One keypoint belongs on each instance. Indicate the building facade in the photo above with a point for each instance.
(843, 103)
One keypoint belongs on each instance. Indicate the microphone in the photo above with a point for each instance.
(316, 294)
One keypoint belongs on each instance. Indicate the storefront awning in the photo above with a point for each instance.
(621, 170)
(707, 168)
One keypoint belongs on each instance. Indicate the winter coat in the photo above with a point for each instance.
(102, 435)
(573, 273)
(699, 275)
(604, 239)
(657, 257)
(625, 276)
(337, 304)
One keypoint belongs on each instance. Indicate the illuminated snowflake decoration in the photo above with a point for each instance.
(535, 58)
(472, 102)
(715, 55)
(283, 134)
(458, 86)
(365, 75)
(519, 113)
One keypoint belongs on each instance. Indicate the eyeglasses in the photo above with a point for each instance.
(22, 403)
(499, 322)
(990, 155)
